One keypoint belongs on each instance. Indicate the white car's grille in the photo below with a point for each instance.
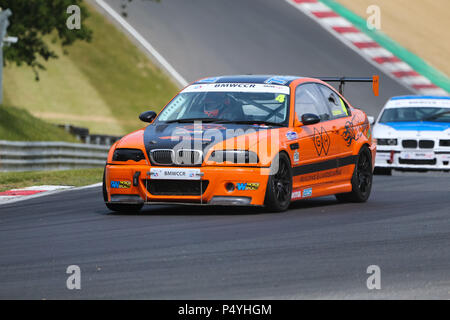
(181, 157)
(422, 144)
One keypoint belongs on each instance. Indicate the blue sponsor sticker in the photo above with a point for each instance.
(291, 135)
(210, 80)
(276, 80)
(120, 184)
(241, 186)
(247, 186)
(115, 184)
(307, 192)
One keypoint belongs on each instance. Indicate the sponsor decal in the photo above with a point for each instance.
(291, 135)
(353, 133)
(276, 80)
(120, 184)
(210, 80)
(238, 87)
(321, 141)
(321, 175)
(235, 85)
(417, 155)
(307, 192)
(175, 174)
(297, 194)
(296, 156)
(247, 186)
(280, 98)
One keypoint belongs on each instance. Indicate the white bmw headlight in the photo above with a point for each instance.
(234, 156)
(387, 142)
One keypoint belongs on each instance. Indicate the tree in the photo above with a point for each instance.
(32, 20)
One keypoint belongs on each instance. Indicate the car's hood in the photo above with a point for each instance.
(411, 129)
(194, 136)
(418, 126)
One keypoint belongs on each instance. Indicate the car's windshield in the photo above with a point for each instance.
(411, 114)
(227, 102)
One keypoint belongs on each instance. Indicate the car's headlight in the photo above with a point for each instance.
(124, 154)
(234, 156)
(387, 142)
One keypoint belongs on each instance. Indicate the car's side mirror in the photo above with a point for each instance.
(147, 116)
(297, 123)
(310, 118)
(371, 119)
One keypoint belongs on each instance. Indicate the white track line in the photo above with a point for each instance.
(12, 199)
(171, 70)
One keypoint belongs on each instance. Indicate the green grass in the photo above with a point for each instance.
(19, 125)
(76, 177)
(102, 85)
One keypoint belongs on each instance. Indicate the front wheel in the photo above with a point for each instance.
(279, 185)
(118, 207)
(361, 179)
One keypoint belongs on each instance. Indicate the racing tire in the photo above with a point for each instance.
(361, 180)
(118, 207)
(380, 171)
(279, 185)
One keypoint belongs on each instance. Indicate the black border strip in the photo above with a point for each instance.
(324, 165)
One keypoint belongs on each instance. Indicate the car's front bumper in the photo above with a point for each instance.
(412, 159)
(131, 184)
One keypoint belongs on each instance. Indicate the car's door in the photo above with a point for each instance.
(317, 150)
(341, 126)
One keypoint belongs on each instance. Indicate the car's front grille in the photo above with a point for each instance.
(176, 187)
(410, 144)
(417, 161)
(188, 157)
(180, 157)
(162, 156)
(426, 144)
(444, 143)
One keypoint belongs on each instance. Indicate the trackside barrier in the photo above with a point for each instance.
(84, 136)
(28, 156)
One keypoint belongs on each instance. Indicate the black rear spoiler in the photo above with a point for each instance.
(342, 80)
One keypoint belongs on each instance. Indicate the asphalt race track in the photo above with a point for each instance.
(318, 249)
(216, 37)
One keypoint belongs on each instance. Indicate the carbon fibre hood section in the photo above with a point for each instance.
(193, 136)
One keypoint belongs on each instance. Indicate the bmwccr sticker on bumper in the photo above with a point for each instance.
(175, 174)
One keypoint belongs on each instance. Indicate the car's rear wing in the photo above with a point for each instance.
(342, 80)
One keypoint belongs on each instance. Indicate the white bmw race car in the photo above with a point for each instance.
(413, 133)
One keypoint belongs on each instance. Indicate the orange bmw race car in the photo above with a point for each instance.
(245, 140)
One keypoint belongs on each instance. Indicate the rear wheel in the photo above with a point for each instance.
(382, 171)
(118, 207)
(279, 185)
(361, 179)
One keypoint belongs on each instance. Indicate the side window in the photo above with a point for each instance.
(335, 103)
(308, 99)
